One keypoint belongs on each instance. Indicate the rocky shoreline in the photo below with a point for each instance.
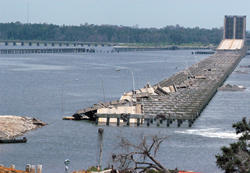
(13, 126)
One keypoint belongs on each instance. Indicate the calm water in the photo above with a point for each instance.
(52, 86)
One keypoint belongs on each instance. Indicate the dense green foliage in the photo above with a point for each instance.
(109, 33)
(236, 157)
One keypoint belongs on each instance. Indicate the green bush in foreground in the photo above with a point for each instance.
(236, 157)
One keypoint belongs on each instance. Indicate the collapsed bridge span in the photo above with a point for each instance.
(183, 96)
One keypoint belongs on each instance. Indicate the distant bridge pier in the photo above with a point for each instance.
(234, 36)
(234, 27)
(35, 46)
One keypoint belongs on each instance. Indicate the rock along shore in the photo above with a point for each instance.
(12, 126)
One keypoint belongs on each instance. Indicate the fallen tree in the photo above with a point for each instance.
(140, 157)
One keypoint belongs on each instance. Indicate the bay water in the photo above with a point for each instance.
(50, 86)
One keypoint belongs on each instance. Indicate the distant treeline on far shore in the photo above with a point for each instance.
(110, 33)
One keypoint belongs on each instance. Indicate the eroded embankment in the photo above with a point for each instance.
(12, 126)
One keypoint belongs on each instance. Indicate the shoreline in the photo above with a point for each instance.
(167, 47)
(12, 126)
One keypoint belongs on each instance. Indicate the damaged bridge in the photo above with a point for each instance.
(182, 97)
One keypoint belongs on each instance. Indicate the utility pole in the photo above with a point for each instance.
(100, 141)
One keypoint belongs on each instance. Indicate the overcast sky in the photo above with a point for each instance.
(145, 13)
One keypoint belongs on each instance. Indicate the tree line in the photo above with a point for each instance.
(110, 33)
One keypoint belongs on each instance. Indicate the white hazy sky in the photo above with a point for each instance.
(145, 13)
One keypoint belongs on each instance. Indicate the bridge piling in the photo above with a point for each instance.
(118, 121)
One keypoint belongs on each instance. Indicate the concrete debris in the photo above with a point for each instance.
(245, 66)
(242, 72)
(142, 95)
(163, 90)
(182, 86)
(229, 87)
(200, 77)
(210, 69)
(143, 92)
(12, 126)
(132, 99)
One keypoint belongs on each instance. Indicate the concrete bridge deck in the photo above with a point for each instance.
(189, 101)
(183, 96)
(231, 44)
(195, 87)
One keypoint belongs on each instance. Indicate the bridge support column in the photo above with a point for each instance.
(118, 122)
(190, 123)
(107, 122)
(96, 121)
(179, 122)
(157, 122)
(148, 122)
(128, 121)
(168, 122)
(234, 28)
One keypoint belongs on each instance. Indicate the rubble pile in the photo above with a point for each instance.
(12, 126)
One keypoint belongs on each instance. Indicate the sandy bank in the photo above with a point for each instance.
(13, 126)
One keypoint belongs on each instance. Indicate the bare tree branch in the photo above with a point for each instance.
(140, 156)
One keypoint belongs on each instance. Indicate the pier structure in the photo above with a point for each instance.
(53, 43)
(234, 27)
(234, 36)
(35, 47)
(181, 98)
